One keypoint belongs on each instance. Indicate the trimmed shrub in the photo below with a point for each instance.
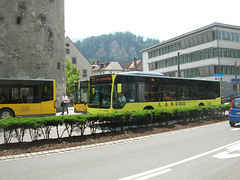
(16, 127)
(141, 117)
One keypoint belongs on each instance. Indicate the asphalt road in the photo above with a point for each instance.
(209, 152)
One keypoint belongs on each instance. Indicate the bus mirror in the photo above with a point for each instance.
(119, 88)
(93, 90)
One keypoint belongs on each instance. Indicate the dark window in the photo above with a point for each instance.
(47, 91)
(74, 60)
(100, 95)
(58, 66)
(84, 73)
(145, 89)
(25, 91)
(236, 104)
(19, 20)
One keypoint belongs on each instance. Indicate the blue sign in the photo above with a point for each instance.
(233, 80)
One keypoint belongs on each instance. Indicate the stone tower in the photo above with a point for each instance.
(32, 40)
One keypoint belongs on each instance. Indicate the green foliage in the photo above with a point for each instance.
(163, 115)
(72, 76)
(53, 121)
(195, 113)
(16, 127)
(141, 117)
(91, 47)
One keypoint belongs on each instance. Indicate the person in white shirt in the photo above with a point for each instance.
(121, 99)
(64, 103)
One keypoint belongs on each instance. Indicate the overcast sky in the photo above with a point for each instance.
(160, 19)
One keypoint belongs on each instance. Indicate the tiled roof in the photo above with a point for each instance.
(131, 66)
(113, 66)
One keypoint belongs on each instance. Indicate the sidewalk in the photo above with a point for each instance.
(70, 112)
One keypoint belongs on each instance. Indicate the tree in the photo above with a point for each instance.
(72, 76)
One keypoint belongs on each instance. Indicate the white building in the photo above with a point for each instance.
(77, 58)
(209, 52)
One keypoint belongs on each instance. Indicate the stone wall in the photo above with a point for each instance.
(32, 40)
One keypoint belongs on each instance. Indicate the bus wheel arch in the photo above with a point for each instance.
(201, 104)
(6, 112)
(148, 108)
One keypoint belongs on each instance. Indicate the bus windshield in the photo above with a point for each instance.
(100, 91)
(81, 92)
(100, 95)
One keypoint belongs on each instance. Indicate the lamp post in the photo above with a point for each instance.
(236, 88)
(179, 74)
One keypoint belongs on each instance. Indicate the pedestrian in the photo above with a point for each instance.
(64, 103)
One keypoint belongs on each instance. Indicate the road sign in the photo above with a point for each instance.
(218, 77)
(233, 80)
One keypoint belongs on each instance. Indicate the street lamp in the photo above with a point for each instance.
(179, 74)
(236, 88)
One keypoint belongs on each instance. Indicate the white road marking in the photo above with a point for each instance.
(166, 168)
(235, 129)
(148, 176)
(232, 152)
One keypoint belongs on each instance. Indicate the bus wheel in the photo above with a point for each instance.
(4, 113)
(148, 108)
(201, 104)
(232, 123)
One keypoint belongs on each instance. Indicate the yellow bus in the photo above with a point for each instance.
(27, 97)
(80, 97)
(137, 91)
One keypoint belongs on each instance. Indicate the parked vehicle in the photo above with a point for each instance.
(234, 113)
(27, 97)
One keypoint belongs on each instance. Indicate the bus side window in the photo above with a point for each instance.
(47, 90)
(15, 95)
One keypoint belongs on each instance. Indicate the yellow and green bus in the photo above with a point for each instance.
(142, 91)
(27, 97)
(80, 97)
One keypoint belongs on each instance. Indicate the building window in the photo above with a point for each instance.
(58, 66)
(67, 51)
(19, 20)
(67, 45)
(74, 60)
(84, 73)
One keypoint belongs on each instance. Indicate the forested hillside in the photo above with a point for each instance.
(121, 47)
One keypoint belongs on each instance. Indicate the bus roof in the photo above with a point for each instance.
(158, 75)
(142, 73)
(16, 79)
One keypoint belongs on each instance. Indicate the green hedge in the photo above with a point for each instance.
(42, 127)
